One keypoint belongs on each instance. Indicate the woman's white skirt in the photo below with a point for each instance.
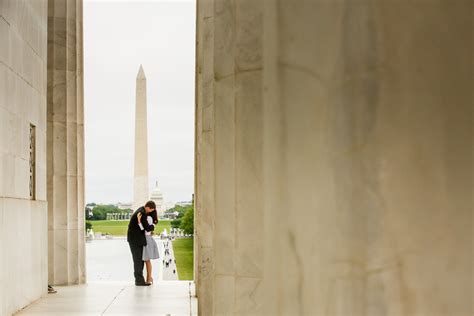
(150, 251)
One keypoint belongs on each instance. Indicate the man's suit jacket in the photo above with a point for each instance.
(135, 235)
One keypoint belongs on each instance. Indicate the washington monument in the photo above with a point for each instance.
(140, 181)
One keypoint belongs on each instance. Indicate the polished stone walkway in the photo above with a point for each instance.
(110, 260)
(174, 298)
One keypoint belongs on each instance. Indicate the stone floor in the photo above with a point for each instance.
(174, 298)
(110, 290)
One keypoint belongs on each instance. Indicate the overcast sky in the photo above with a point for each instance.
(118, 37)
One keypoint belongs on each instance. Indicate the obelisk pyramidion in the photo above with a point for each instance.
(140, 182)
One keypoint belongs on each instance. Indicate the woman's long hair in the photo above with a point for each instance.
(154, 215)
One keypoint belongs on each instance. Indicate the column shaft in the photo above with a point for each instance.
(65, 136)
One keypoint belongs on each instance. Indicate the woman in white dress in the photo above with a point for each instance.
(150, 251)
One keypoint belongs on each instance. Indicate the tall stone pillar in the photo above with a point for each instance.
(140, 180)
(65, 139)
(229, 157)
(204, 187)
(334, 158)
(368, 158)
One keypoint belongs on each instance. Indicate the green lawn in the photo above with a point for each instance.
(119, 228)
(183, 253)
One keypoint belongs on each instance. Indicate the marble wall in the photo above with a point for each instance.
(40, 85)
(23, 222)
(334, 158)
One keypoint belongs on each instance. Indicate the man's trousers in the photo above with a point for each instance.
(137, 253)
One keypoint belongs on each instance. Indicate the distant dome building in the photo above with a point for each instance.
(157, 197)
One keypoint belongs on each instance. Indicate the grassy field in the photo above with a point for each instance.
(119, 228)
(183, 252)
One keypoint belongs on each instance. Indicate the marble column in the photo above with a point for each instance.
(345, 133)
(140, 180)
(229, 152)
(65, 139)
(205, 161)
(368, 121)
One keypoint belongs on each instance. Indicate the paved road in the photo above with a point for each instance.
(170, 272)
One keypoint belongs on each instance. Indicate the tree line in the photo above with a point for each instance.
(100, 211)
(185, 218)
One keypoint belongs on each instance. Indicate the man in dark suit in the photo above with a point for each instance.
(136, 239)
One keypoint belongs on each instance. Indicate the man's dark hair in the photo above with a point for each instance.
(151, 205)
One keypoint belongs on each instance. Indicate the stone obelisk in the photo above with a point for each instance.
(140, 181)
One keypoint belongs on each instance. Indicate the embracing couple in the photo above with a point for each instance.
(141, 242)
